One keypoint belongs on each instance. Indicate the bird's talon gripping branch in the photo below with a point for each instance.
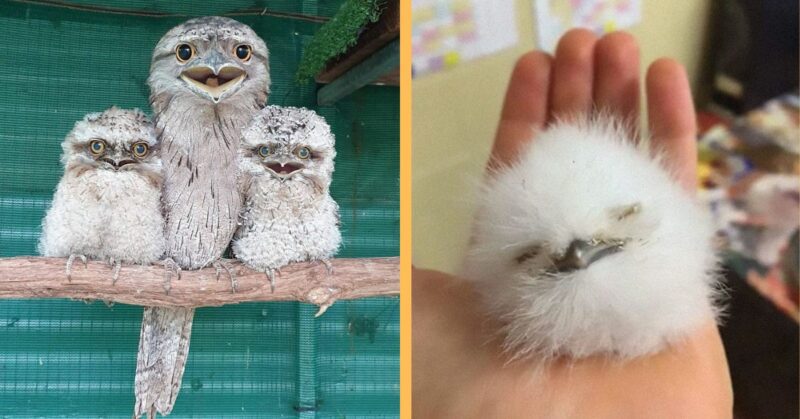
(170, 268)
(117, 267)
(328, 265)
(70, 261)
(219, 266)
(271, 276)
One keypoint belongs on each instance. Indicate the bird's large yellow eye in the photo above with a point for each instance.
(265, 151)
(97, 147)
(140, 149)
(184, 52)
(303, 152)
(243, 52)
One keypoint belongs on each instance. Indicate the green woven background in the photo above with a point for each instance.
(62, 358)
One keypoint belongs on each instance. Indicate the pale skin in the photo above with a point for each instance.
(459, 369)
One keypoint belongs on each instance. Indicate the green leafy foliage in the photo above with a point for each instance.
(337, 35)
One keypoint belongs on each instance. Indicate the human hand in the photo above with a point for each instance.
(460, 371)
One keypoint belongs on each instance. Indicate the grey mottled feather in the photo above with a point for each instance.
(163, 354)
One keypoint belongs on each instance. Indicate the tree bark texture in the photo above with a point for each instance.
(40, 277)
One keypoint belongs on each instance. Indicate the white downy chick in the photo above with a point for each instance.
(107, 206)
(287, 161)
(585, 245)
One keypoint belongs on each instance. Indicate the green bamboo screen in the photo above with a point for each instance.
(61, 358)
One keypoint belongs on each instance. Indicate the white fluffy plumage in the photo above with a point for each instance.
(289, 215)
(585, 245)
(102, 211)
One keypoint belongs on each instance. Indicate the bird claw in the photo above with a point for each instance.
(71, 260)
(219, 265)
(170, 268)
(116, 265)
(271, 276)
(328, 265)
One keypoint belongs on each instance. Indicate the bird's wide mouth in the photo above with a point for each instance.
(215, 85)
(283, 169)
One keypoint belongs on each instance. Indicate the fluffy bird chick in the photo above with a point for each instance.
(108, 203)
(286, 159)
(586, 245)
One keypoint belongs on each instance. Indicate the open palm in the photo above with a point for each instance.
(460, 372)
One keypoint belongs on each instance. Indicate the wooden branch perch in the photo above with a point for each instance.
(39, 277)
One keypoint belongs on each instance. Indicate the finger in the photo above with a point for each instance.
(672, 120)
(525, 106)
(616, 75)
(573, 74)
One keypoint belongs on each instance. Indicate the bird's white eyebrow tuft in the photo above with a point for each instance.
(238, 38)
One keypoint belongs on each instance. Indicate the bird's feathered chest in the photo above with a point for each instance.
(103, 213)
(199, 151)
(199, 144)
(294, 200)
(286, 222)
(109, 191)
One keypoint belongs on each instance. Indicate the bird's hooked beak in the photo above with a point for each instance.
(214, 76)
(283, 166)
(581, 253)
(116, 164)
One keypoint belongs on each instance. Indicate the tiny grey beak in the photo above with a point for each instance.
(580, 254)
(215, 61)
(117, 164)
